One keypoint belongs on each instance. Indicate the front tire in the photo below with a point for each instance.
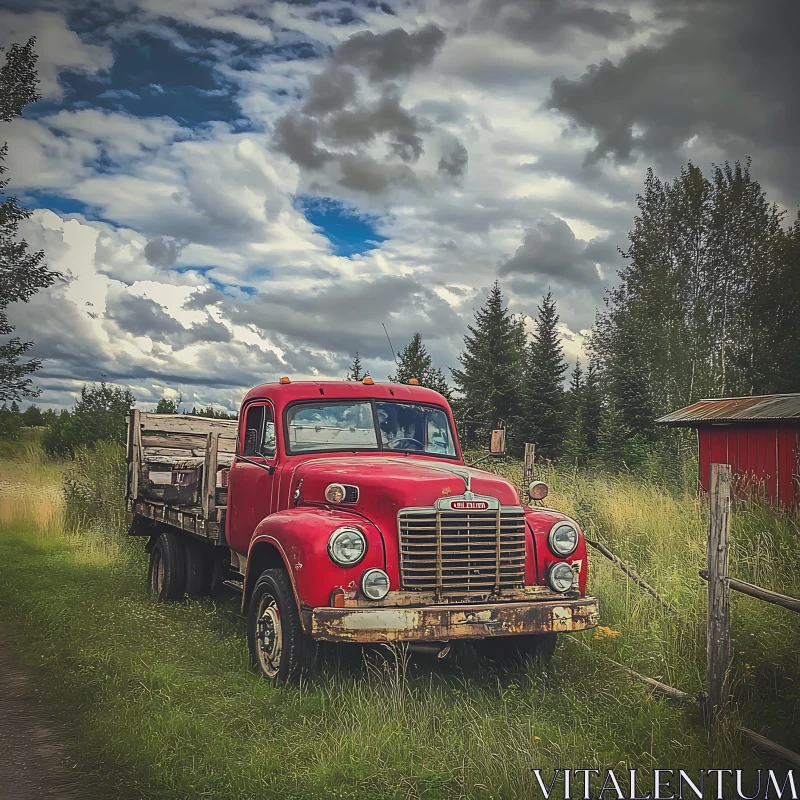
(167, 573)
(279, 650)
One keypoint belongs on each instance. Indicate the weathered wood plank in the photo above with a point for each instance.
(776, 750)
(719, 596)
(187, 423)
(210, 475)
(136, 452)
(187, 441)
(768, 596)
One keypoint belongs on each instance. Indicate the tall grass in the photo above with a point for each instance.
(164, 705)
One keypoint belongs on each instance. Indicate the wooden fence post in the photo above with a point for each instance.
(527, 468)
(719, 597)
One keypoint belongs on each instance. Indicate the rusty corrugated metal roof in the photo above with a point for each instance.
(732, 409)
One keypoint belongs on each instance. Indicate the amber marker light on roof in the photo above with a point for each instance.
(284, 380)
(368, 381)
(413, 381)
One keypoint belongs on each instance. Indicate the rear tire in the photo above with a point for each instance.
(279, 650)
(167, 573)
(508, 649)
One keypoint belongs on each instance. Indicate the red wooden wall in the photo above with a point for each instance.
(756, 453)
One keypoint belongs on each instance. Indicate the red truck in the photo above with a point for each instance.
(343, 511)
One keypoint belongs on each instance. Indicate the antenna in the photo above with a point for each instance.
(390, 345)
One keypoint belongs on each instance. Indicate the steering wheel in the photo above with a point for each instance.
(393, 443)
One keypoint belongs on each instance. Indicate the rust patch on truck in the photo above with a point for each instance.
(443, 622)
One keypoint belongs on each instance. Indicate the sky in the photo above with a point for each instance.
(235, 190)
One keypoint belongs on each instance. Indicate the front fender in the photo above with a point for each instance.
(540, 521)
(301, 536)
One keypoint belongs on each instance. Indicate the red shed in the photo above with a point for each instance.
(757, 436)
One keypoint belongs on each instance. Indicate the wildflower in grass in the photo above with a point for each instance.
(605, 633)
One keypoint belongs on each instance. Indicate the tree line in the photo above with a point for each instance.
(707, 304)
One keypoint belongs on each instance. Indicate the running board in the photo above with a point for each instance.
(237, 586)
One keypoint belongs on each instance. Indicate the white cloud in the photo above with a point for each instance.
(57, 46)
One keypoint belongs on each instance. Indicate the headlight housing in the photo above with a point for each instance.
(560, 577)
(375, 584)
(335, 493)
(347, 546)
(538, 490)
(563, 538)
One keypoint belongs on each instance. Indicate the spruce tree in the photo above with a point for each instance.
(544, 407)
(489, 380)
(574, 448)
(414, 361)
(591, 409)
(356, 373)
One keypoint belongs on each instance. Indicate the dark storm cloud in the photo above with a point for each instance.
(162, 251)
(335, 125)
(391, 55)
(141, 316)
(203, 298)
(349, 316)
(726, 73)
(546, 23)
(453, 163)
(551, 251)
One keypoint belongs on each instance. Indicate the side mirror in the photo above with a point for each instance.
(497, 446)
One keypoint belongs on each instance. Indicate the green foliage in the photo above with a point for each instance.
(490, 379)
(98, 416)
(32, 417)
(543, 403)
(414, 361)
(168, 405)
(94, 488)
(22, 273)
(10, 422)
(706, 305)
(356, 372)
(212, 413)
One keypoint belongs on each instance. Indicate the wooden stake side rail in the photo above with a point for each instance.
(189, 519)
(174, 439)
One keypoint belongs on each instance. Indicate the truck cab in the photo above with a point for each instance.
(345, 513)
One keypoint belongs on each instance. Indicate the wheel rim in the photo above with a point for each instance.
(157, 580)
(269, 639)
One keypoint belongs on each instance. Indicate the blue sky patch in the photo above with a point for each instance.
(56, 203)
(348, 230)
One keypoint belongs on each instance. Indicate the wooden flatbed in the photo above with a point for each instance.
(177, 471)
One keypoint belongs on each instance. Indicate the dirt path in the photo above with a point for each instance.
(34, 761)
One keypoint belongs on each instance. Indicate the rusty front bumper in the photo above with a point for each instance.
(444, 622)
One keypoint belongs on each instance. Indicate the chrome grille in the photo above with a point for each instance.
(463, 553)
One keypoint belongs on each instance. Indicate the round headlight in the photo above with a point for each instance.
(375, 584)
(560, 577)
(347, 546)
(335, 493)
(538, 490)
(563, 538)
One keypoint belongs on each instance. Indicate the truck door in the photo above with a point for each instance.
(251, 483)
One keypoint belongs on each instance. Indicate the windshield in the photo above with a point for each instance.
(406, 427)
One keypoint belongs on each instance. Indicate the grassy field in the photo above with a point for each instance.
(162, 703)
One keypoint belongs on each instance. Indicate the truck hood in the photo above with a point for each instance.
(388, 483)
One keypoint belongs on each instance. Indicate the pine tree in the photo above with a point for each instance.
(591, 410)
(574, 448)
(414, 361)
(355, 373)
(543, 392)
(489, 380)
(22, 273)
